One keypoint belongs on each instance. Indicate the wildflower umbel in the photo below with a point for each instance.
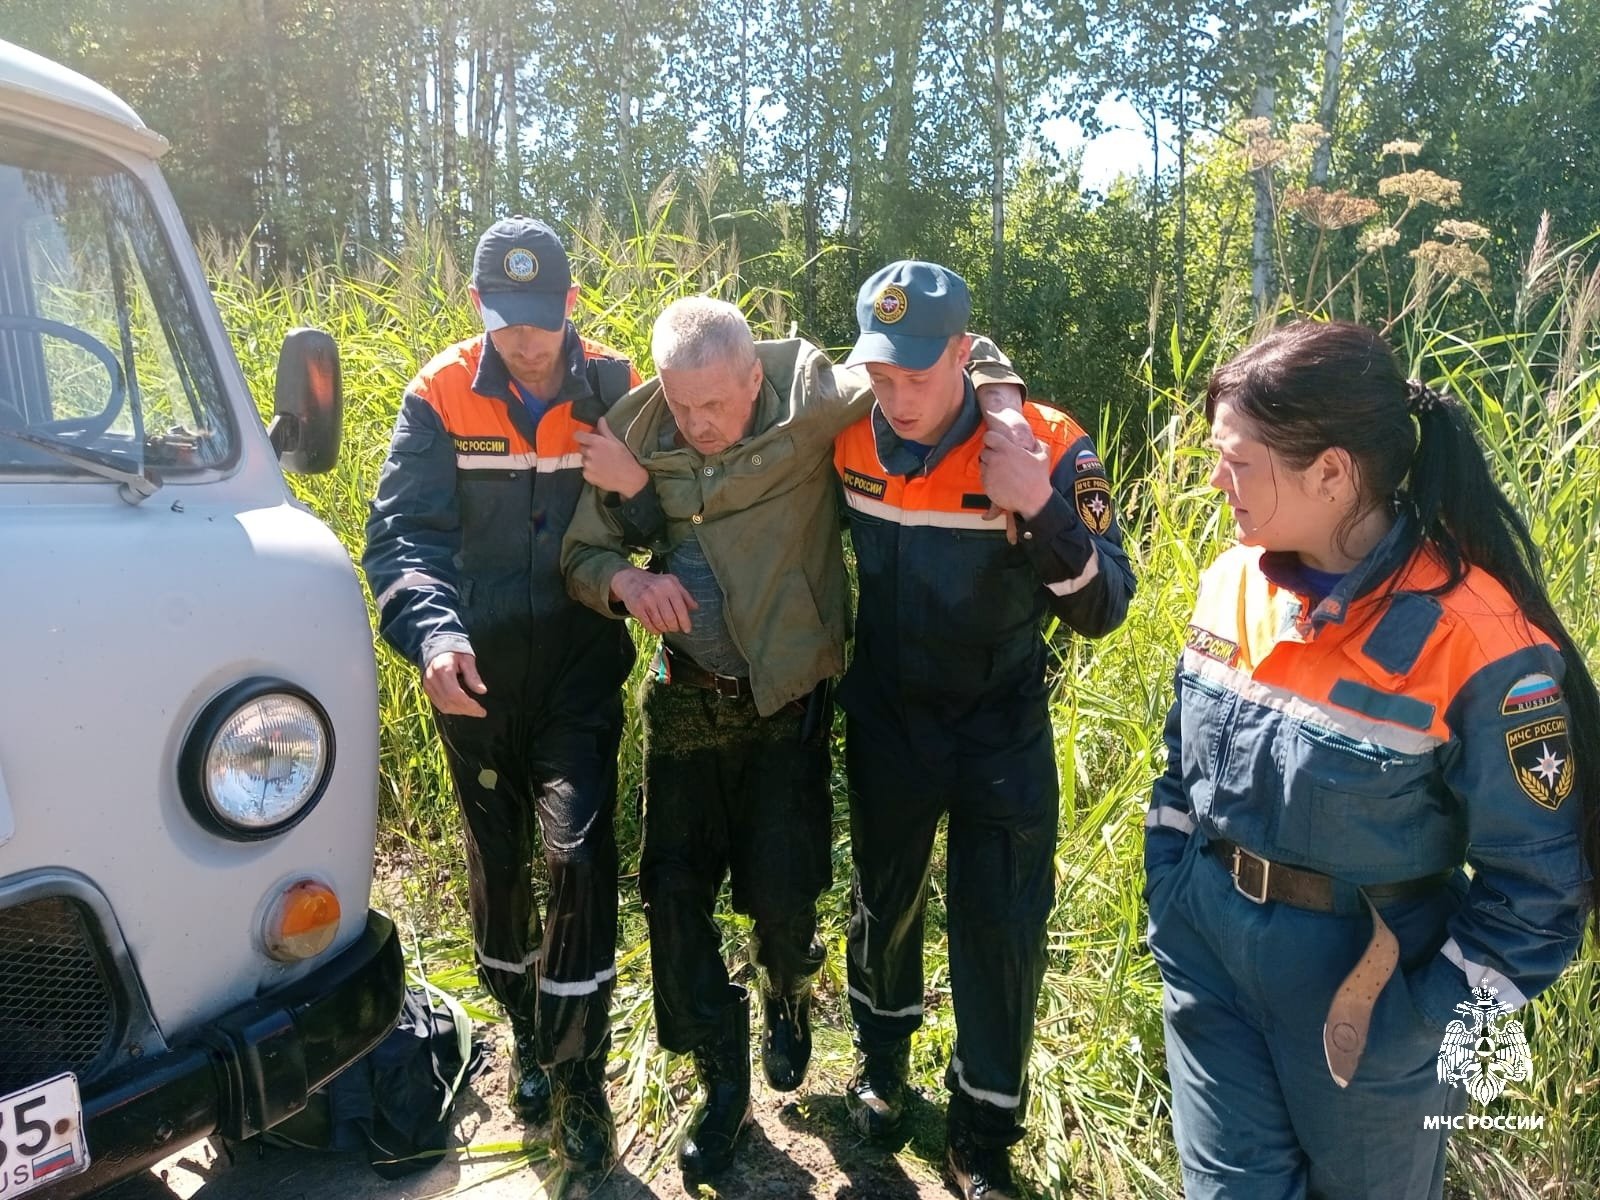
(1261, 149)
(1402, 148)
(1330, 210)
(1463, 231)
(1456, 259)
(1422, 187)
(1377, 238)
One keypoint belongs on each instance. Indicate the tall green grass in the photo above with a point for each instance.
(1099, 1099)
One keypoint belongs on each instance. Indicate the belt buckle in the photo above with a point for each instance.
(1240, 857)
(726, 686)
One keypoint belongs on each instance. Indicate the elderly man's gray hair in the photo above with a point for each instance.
(699, 331)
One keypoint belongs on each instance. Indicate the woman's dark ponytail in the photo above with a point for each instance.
(1470, 522)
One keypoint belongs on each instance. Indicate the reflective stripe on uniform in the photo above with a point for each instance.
(1381, 733)
(998, 1099)
(558, 462)
(1065, 587)
(910, 1010)
(1164, 817)
(914, 516)
(495, 462)
(511, 968)
(582, 987)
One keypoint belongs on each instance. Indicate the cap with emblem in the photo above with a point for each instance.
(908, 312)
(522, 275)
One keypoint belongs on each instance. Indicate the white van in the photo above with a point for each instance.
(188, 704)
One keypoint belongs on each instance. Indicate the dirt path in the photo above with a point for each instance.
(801, 1146)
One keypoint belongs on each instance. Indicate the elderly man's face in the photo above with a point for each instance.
(713, 405)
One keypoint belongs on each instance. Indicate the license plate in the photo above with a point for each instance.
(41, 1136)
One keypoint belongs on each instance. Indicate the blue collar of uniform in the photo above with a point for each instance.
(1382, 561)
(493, 379)
(898, 460)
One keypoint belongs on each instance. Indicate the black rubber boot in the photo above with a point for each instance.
(530, 1086)
(722, 1064)
(978, 1172)
(786, 1045)
(875, 1097)
(584, 1135)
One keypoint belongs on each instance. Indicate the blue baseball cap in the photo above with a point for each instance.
(908, 312)
(522, 275)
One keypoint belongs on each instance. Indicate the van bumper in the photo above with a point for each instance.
(248, 1070)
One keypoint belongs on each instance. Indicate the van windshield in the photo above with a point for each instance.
(100, 347)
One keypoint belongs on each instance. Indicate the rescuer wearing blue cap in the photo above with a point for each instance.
(463, 556)
(947, 703)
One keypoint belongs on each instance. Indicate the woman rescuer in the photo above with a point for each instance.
(1375, 691)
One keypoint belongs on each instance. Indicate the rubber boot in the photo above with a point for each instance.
(786, 1045)
(585, 1136)
(530, 1086)
(978, 1172)
(722, 1064)
(875, 1097)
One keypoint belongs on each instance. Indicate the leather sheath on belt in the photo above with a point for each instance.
(1344, 1032)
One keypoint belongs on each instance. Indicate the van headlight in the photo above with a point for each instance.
(257, 759)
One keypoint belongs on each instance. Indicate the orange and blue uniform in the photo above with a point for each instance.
(1382, 736)
(464, 554)
(948, 713)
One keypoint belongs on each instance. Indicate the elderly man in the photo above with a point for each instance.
(749, 593)
(947, 702)
(463, 547)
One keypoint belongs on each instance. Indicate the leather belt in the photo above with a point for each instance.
(683, 669)
(1259, 879)
(1344, 1030)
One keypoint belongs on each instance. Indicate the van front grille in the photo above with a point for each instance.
(57, 1004)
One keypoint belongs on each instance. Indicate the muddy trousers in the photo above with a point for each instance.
(1255, 1112)
(550, 776)
(729, 794)
(1002, 811)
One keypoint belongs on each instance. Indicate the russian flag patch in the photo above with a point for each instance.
(1530, 692)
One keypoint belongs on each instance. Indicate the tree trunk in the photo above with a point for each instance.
(408, 153)
(508, 102)
(383, 186)
(266, 37)
(1263, 289)
(449, 164)
(811, 199)
(997, 177)
(744, 89)
(1153, 123)
(1263, 281)
(427, 176)
(1332, 69)
(483, 146)
(905, 64)
(861, 140)
(1180, 230)
(625, 56)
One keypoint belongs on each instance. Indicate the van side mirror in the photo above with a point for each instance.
(308, 403)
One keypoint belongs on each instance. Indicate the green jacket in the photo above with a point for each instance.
(765, 511)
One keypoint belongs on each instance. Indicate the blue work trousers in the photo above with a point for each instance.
(1002, 804)
(1255, 1111)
